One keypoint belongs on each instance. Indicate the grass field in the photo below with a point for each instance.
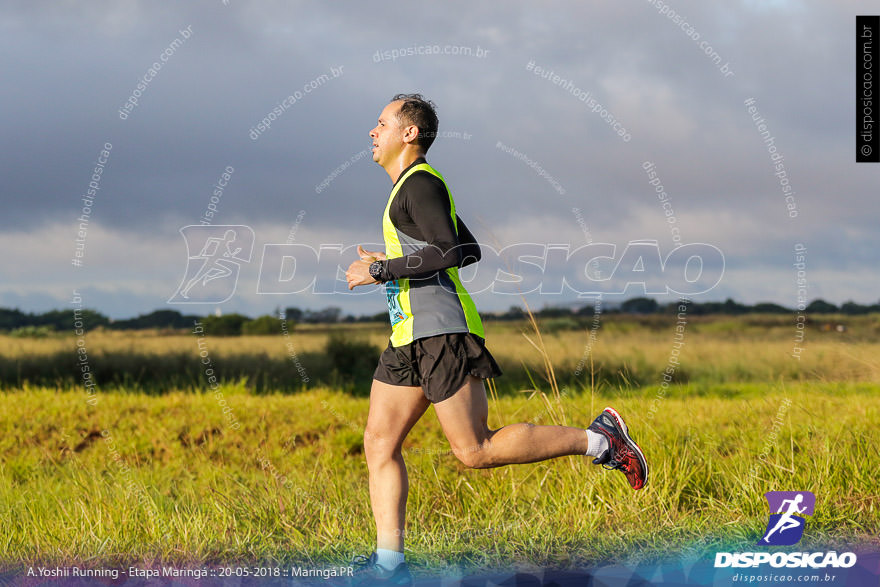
(154, 473)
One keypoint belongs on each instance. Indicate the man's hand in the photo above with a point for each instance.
(359, 271)
(370, 255)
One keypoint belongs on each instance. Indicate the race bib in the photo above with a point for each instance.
(392, 293)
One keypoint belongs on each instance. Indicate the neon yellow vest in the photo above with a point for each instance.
(425, 306)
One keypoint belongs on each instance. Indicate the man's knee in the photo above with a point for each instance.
(475, 457)
(378, 449)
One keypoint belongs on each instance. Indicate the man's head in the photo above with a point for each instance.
(408, 122)
(416, 111)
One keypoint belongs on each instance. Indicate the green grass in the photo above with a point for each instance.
(178, 484)
(629, 351)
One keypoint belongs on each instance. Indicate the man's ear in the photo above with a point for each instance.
(410, 133)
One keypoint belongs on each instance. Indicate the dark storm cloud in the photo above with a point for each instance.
(74, 67)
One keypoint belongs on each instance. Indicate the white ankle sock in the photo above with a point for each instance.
(388, 559)
(596, 444)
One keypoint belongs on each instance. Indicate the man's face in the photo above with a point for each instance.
(388, 135)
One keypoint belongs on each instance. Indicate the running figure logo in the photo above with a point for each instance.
(785, 526)
(212, 274)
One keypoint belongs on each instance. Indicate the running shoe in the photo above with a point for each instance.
(367, 572)
(623, 453)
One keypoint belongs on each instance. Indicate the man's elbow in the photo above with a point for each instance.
(470, 255)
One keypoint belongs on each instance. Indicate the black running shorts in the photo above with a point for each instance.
(438, 364)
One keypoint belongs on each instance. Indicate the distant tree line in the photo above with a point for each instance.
(652, 306)
(16, 321)
(730, 307)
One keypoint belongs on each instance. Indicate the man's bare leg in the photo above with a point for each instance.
(463, 418)
(394, 410)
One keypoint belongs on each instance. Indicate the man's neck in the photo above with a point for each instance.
(402, 162)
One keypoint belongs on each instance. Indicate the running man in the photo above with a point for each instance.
(437, 352)
(786, 521)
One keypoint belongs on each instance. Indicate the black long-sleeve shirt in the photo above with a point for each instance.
(421, 210)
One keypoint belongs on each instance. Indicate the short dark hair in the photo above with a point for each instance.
(421, 112)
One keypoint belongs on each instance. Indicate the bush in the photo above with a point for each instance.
(820, 306)
(265, 325)
(352, 360)
(557, 325)
(31, 332)
(639, 306)
(226, 325)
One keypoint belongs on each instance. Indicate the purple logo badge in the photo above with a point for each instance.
(786, 526)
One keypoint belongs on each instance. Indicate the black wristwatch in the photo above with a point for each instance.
(376, 270)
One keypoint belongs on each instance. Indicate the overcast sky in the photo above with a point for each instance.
(69, 68)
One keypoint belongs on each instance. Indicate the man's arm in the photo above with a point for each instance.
(470, 249)
(426, 201)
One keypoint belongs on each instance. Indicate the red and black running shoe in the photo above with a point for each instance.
(623, 453)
